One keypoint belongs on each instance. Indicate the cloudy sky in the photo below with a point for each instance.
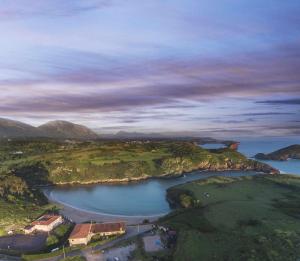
(217, 67)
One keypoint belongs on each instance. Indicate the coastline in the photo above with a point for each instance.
(263, 168)
(81, 215)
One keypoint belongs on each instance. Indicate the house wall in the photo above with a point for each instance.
(47, 228)
(28, 231)
(80, 241)
(111, 233)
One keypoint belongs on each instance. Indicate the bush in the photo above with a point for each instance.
(52, 240)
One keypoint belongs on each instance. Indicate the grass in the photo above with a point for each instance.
(14, 216)
(45, 161)
(247, 218)
(48, 255)
(59, 236)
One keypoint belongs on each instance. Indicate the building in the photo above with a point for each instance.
(108, 229)
(83, 233)
(45, 223)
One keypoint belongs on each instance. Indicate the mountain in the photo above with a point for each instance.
(16, 129)
(52, 129)
(290, 152)
(66, 130)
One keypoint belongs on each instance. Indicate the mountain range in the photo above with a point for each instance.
(51, 129)
(67, 130)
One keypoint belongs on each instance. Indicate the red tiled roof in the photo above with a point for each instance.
(45, 220)
(80, 231)
(108, 227)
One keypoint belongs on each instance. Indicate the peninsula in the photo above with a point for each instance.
(290, 152)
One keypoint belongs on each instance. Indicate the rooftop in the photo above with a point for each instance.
(45, 220)
(108, 227)
(81, 231)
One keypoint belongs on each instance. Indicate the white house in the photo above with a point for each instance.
(45, 223)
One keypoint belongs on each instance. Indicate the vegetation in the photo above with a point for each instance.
(28, 257)
(27, 164)
(58, 235)
(75, 258)
(246, 218)
(53, 162)
(290, 152)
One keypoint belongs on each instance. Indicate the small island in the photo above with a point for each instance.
(290, 152)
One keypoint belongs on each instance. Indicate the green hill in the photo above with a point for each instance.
(290, 152)
(247, 218)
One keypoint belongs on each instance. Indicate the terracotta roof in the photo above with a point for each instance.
(45, 220)
(108, 227)
(80, 231)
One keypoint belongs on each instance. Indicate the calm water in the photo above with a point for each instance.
(147, 198)
(267, 145)
(134, 199)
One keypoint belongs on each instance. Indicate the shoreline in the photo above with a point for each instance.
(81, 216)
(78, 215)
(164, 176)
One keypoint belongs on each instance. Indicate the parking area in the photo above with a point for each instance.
(23, 243)
(113, 254)
(152, 243)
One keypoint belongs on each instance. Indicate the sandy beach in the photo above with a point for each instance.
(79, 215)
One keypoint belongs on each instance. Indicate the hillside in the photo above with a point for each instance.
(66, 130)
(290, 152)
(92, 162)
(17, 129)
(53, 129)
(246, 218)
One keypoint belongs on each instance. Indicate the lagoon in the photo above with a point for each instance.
(144, 198)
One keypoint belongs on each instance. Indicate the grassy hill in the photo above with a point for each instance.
(247, 218)
(290, 152)
(52, 162)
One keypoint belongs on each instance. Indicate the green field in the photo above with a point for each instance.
(248, 218)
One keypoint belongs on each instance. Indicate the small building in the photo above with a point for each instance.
(45, 223)
(108, 229)
(83, 233)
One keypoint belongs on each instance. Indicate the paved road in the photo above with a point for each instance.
(23, 243)
(131, 232)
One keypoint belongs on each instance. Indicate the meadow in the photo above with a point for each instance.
(246, 218)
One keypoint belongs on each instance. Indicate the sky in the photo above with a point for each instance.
(214, 67)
